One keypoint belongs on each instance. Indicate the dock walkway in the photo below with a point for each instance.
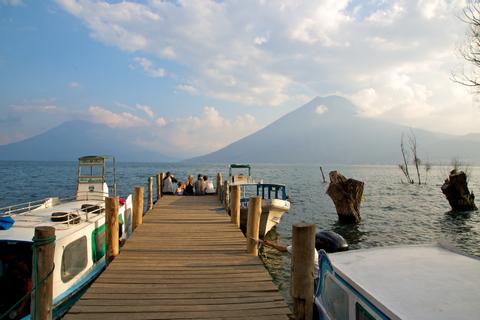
(186, 261)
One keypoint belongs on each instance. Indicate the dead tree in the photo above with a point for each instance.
(404, 166)
(455, 188)
(347, 196)
(413, 147)
(471, 49)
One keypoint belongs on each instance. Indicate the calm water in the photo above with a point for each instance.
(392, 213)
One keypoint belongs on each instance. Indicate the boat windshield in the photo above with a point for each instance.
(15, 278)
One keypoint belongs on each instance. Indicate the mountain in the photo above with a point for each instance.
(328, 130)
(73, 139)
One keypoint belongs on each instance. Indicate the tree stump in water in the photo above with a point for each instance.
(347, 196)
(455, 188)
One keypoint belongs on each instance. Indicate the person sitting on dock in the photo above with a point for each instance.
(168, 182)
(180, 189)
(208, 185)
(188, 191)
(199, 189)
(288, 248)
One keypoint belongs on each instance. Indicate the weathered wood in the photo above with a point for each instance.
(158, 186)
(162, 175)
(137, 207)
(219, 186)
(455, 188)
(177, 266)
(347, 196)
(235, 205)
(150, 193)
(323, 176)
(303, 255)
(226, 197)
(111, 228)
(253, 224)
(41, 299)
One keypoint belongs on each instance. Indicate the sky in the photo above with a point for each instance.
(202, 74)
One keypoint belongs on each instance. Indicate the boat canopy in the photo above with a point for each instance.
(239, 166)
(92, 175)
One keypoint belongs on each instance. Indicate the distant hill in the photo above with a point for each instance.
(73, 139)
(328, 130)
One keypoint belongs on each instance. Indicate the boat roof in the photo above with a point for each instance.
(24, 227)
(414, 282)
(234, 165)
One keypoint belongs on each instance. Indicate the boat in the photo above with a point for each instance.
(79, 223)
(274, 204)
(404, 282)
(274, 197)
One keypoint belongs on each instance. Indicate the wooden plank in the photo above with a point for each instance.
(186, 261)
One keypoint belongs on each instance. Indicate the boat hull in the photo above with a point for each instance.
(272, 212)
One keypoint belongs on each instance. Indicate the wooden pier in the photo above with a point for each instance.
(186, 261)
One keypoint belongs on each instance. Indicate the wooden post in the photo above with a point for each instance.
(150, 193)
(44, 246)
(137, 207)
(219, 185)
(162, 175)
(323, 176)
(253, 224)
(226, 188)
(302, 277)
(235, 205)
(158, 186)
(111, 228)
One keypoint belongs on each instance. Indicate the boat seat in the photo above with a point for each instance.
(66, 217)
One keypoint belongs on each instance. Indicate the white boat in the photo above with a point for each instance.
(274, 205)
(407, 282)
(240, 177)
(79, 223)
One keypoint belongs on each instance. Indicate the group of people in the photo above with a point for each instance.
(188, 187)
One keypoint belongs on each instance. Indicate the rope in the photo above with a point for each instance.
(37, 242)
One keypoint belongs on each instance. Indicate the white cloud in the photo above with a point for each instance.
(11, 2)
(161, 122)
(148, 111)
(259, 40)
(73, 85)
(149, 68)
(115, 120)
(391, 57)
(321, 109)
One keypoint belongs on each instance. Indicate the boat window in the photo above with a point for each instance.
(74, 259)
(98, 243)
(91, 171)
(335, 299)
(361, 313)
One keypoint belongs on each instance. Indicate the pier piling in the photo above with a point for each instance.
(137, 207)
(111, 228)
(253, 224)
(235, 205)
(44, 252)
(150, 193)
(219, 185)
(158, 186)
(302, 277)
(162, 175)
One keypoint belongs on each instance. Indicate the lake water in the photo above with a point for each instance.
(393, 213)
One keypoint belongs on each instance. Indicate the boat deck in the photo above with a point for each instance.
(186, 261)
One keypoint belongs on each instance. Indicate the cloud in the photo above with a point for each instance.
(73, 85)
(391, 57)
(11, 2)
(148, 111)
(209, 131)
(115, 120)
(321, 109)
(161, 122)
(149, 68)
